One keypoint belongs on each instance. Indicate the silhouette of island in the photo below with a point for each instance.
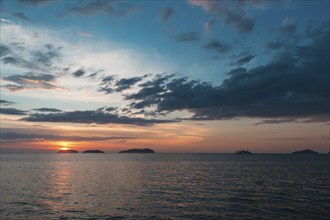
(243, 152)
(93, 151)
(145, 150)
(68, 151)
(307, 151)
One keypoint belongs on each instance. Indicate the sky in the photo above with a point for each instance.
(175, 76)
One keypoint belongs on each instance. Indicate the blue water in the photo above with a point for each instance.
(164, 186)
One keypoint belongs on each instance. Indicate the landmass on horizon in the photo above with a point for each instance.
(136, 150)
(307, 151)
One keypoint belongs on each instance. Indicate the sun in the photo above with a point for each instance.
(64, 145)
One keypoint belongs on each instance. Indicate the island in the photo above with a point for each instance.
(307, 151)
(145, 150)
(243, 152)
(93, 151)
(68, 151)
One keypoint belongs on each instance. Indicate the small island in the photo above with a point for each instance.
(307, 151)
(243, 152)
(68, 151)
(93, 151)
(145, 150)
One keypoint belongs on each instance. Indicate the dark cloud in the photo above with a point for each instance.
(166, 13)
(40, 60)
(4, 102)
(111, 8)
(4, 50)
(106, 85)
(217, 46)
(243, 58)
(236, 18)
(47, 56)
(188, 36)
(21, 16)
(47, 109)
(294, 85)
(92, 117)
(274, 45)
(30, 80)
(17, 61)
(15, 136)
(239, 70)
(109, 84)
(127, 83)
(239, 20)
(12, 111)
(78, 73)
(35, 2)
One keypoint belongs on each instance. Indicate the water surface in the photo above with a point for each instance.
(170, 186)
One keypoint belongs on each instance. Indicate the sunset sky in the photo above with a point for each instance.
(174, 76)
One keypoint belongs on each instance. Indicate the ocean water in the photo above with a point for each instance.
(164, 186)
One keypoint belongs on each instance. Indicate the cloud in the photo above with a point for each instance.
(41, 59)
(274, 45)
(34, 2)
(288, 25)
(15, 136)
(126, 83)
(47, 109)
(30, 80)
(208, 26)
(21, 16)
(4, 102)
(217, 46)
(110, 85)
(259, 4)
(4, 50)
(46, 56)
(239, 20)
(207, 5)
(293, 85)
(85, 34)
(92, 117)
(12, 111)
(5, 21)
(166, 13)
(188, 36)
(17, 61)
(111, 8)
(78, 73)
(243, 58)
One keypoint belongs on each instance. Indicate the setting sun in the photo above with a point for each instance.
(64, 145)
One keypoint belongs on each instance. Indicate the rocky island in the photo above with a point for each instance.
(68, 151)
(307, 151)
(243, 152)
(93, 151)
(145, 150)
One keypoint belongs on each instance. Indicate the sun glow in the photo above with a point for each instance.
(64, 145)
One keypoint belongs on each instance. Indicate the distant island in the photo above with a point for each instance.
(93, 151)
(145, 150)
(243, 152)
(307, 151)
(68, 151)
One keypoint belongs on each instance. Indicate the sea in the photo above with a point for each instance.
(164, 186)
